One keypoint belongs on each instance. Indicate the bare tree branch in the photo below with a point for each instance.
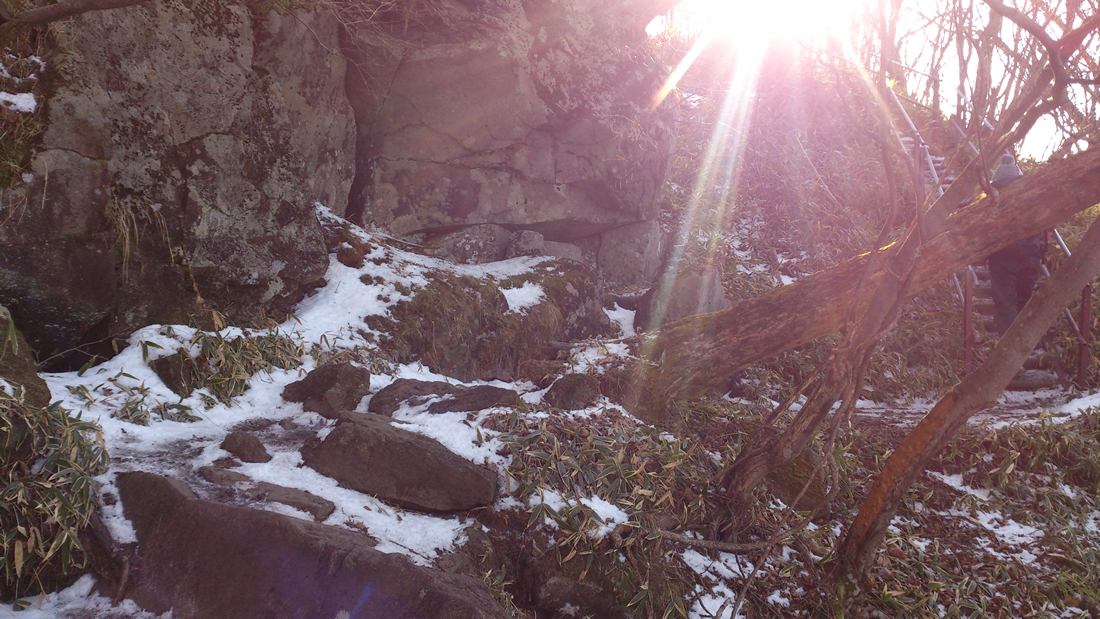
(56, 12)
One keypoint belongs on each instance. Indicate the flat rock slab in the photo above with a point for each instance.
(202, 559)
(401, 467)
(476, 398)
(454, 398)
(301, 500)
(222, 477)
(315, 506)
(1033, 380)
(330, 390)
(389, 398)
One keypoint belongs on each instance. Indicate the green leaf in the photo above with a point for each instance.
(11, 339)
(88, 365)
(638, 598)
(145, 346)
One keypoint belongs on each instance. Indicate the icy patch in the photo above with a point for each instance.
(727, 565)
(779, 599)
(120, 527)
(609, 513)
(1092, 525)
(719, 600)
(589, 358)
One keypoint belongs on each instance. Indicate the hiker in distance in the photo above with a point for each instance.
(1014, 270)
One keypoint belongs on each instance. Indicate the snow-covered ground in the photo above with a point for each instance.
(333, 318)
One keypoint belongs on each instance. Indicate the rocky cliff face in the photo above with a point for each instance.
(528, 115)
(186, 143)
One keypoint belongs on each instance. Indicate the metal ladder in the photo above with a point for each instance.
(932, 176)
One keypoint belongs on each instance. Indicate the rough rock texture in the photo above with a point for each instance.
(573, 391)
(531, 115)
(631, 254)
(395, 465)
(471, 245)
(246, 447)
(186, 144)
(203, 559)
(453, 398)
(687, 294)
(17, 363)
(331, 390)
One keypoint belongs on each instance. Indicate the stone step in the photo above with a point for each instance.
(1038, 360)
(1033, 380)
(983, 305)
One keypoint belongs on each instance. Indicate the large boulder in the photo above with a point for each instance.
(185, 145)
(370, 455)
(201, 559)
(331, 390)
(528, 115)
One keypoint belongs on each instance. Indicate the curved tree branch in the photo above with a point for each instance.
(56, 12)
(1026, 115)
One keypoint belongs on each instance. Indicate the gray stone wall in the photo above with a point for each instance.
(186, 144)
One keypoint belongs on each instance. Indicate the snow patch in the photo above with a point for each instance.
(23, 102)
(519, 299)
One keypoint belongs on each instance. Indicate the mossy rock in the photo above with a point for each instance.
(17, 365)
(462, 326)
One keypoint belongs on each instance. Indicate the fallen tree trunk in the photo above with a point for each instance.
(691, 356)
